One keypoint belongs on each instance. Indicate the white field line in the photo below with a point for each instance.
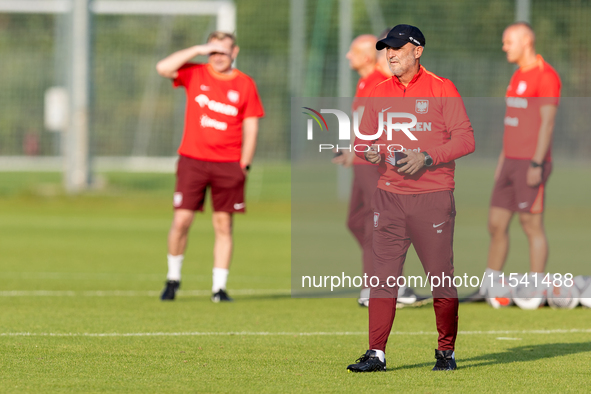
(266, 333)
(131, 293)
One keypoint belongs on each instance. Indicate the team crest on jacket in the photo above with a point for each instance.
(422, 106)
(376, 216)
(233, 96)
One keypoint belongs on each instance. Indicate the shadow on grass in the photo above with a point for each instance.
(237, 299)
(527, 353)
(512, 355)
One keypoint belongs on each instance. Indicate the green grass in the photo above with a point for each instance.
(114, 239)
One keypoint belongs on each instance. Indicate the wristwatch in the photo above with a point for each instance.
(535, 165)
(428, 159)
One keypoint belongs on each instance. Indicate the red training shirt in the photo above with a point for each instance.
(443, 130)
(364, 89)
(522, 119)
(216, 106)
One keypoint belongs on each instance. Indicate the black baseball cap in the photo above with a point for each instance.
(400, 35)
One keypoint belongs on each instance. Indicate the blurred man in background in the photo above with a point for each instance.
(525, 162)
(218, 145)
(363, 58)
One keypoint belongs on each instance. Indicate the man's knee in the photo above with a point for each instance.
(222, 223)
(497, 228)
(182, 221)
(498, 222)
(532, 223)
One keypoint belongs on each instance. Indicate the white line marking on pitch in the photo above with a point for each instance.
(131, 293)
(265, 333)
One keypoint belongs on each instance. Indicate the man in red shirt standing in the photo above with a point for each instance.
(525, 162)
(219, 141)
(414, 200)
(362, 57)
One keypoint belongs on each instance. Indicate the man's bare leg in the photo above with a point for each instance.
(222, 249)
(179, 231)
(177, 243)
(498, 228)
(533, 226)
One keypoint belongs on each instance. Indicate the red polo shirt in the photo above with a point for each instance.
(530, 88)
(364, 88)
(216, 106)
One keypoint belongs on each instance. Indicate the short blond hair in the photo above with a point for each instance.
(221, 35)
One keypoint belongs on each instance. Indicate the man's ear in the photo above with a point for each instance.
(235, 51)
(418, 52)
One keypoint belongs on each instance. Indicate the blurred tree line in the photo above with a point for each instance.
(463, 44)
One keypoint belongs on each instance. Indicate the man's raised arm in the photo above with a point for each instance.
(169, 66)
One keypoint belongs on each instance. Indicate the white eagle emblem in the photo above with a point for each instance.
(521, 88)
(233, 96)
(422, 106)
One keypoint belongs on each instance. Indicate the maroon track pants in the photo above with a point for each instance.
(427, 221)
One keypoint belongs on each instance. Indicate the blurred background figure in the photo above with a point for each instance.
(525, 162)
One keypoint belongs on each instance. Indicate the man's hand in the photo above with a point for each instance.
(373, 155)
(534, 176)
(212, 47)
(499, 166)
(413, 161)
(345, 159)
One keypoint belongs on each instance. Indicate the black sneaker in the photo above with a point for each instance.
(369, 362)
(170, 290)
(221, 296)
(446, 360)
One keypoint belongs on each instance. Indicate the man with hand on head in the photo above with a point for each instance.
(414, 200)
(525, 162)
(218, 145)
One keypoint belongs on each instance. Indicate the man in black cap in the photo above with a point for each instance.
(414, 200)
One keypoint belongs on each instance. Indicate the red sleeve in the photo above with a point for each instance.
(550, 87)
(368, 124)
(185, 73)
(253, 106)
(461, 142)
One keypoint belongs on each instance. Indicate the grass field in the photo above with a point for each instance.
(79, 309)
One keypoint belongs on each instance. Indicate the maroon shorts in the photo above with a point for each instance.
(359, 221)
(425, 220)
(194, 177)
(511, 191)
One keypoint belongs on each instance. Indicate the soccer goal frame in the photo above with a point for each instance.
(76, 161)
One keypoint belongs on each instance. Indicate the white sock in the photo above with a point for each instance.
(486, 284)
(175, 263)
(381, 355)
(220, 277)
